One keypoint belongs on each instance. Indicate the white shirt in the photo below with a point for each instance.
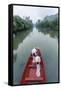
(36, 59)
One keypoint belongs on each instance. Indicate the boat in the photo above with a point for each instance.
(29, 74)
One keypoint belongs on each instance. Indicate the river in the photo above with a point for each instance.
(26, 41)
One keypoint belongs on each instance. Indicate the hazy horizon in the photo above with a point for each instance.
(35, 13)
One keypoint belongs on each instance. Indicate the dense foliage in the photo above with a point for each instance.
(52, 25)
(21, 24)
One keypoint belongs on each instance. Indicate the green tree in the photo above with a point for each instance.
(21, 24)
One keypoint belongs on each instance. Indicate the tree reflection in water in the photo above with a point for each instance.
(19, 37)
(52, 33)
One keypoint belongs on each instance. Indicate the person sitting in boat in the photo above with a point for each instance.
(37, 60)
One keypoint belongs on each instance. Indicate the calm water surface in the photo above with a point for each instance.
(48, 47)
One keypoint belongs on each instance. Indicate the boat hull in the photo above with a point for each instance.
(29, 74)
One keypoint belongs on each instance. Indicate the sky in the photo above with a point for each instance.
(35, 13)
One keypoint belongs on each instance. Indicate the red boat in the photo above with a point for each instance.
(29, 74)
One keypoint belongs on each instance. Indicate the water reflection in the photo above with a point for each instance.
(19, 37)
(48, 47)
(52, 33)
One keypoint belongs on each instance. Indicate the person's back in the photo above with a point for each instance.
(37, 60)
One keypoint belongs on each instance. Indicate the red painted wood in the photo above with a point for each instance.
(29, 74)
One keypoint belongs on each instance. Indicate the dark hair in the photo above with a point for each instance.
(34, 54)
